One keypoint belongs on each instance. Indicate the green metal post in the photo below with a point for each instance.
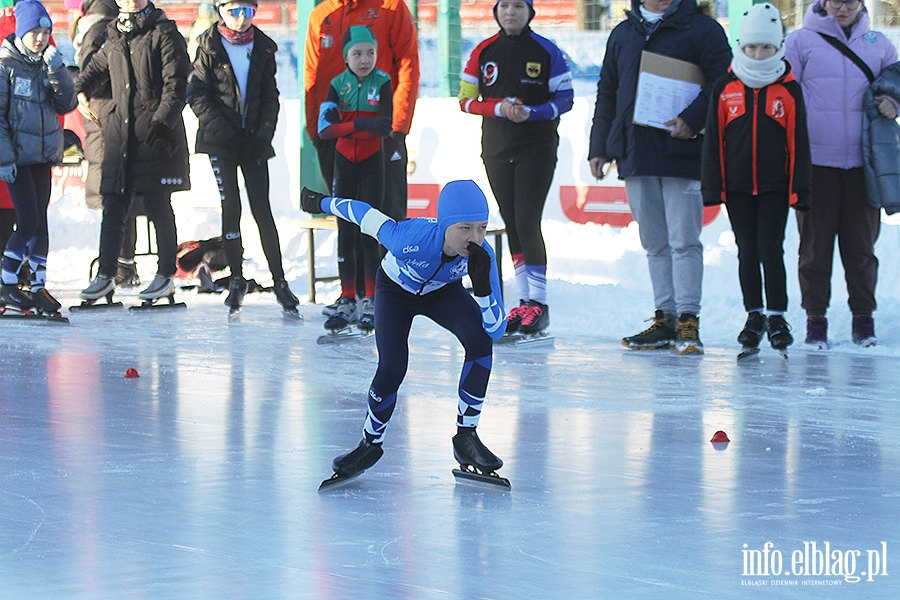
(449, 46)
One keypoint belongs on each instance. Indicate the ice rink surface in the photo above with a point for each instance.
(199, 478)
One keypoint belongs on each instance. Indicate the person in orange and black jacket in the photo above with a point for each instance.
(756, 159)
(398, 55)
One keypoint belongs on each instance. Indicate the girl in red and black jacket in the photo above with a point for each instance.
(756, 160)
(520, 83)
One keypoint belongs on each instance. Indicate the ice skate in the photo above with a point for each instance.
(237, 287)
(329, 309)
(533, 320)
(15, 304)
(751, 335)
(162, 287)
(366, 322)
(287, 300)
(340, 325)
(126, 274)
(687, 335)
(46, 303)
(817, 332)
(779, 333)
(864, 331)
(659, 336)
(514, 317)
(13, 297)
(477, 464)
(100, 287)
(348, 467)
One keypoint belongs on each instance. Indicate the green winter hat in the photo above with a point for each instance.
(358, 34)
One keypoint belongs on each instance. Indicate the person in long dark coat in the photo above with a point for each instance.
(144, 62)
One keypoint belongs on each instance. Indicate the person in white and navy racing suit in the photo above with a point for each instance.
(421, 274)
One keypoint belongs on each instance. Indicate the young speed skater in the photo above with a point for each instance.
(421, 274)
(756, 159)
(35, 88)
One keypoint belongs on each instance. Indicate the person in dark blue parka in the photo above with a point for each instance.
(661, 167)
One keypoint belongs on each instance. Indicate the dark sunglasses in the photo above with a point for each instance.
(247, 11)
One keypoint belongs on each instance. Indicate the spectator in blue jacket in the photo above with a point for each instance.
(661, 168)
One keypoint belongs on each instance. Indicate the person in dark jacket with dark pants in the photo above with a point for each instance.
(756, 159)
(144, 61)
(661, 168)
(35, 88)
(520, 83)
(233, 93)
(90, 36)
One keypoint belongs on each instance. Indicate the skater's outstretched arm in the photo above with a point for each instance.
(369, 219)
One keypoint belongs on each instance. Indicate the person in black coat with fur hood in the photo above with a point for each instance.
(144, 62)
(232, 91)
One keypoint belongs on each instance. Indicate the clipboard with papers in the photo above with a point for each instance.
(666, 86)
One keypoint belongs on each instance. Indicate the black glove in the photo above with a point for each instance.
(380, 126)
(157, 132)
(311, 201)
(332, 116)
(479, 269)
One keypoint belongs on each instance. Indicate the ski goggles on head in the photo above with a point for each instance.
(247, 11)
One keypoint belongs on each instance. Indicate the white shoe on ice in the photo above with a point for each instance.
(160, 287)
(98, 288)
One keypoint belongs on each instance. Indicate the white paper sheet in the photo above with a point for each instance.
(660, 99)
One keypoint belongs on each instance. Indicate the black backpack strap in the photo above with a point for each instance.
(846, 51)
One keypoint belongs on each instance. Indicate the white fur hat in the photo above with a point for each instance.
(761, 25)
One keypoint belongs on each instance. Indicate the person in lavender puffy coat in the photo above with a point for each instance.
(833, 88)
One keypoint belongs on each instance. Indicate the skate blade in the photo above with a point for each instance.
(336, 481)
(747, 353)
(341, 336)
(151, 305)
(518, 338)
(867, 343)
(234, 315)
(87, 305)
(30, 316)
(490, 481)
(292, 315)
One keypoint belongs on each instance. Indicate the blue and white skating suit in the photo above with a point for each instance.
(415, 278)
(414, 258)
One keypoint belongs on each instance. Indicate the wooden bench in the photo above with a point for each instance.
(330, 224)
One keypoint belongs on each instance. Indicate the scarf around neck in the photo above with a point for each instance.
(236, 37)
(128, 21)
(758, 73)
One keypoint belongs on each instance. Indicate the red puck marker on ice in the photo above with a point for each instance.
(719, 437)
(131, 374)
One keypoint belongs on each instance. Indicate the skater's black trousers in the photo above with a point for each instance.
(158, 208)
(364, 181)
(758, 223)
(451, 307)
(256, 181)
(521, 188)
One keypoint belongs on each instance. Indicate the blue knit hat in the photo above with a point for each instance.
(31, 14)
(461, 201)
